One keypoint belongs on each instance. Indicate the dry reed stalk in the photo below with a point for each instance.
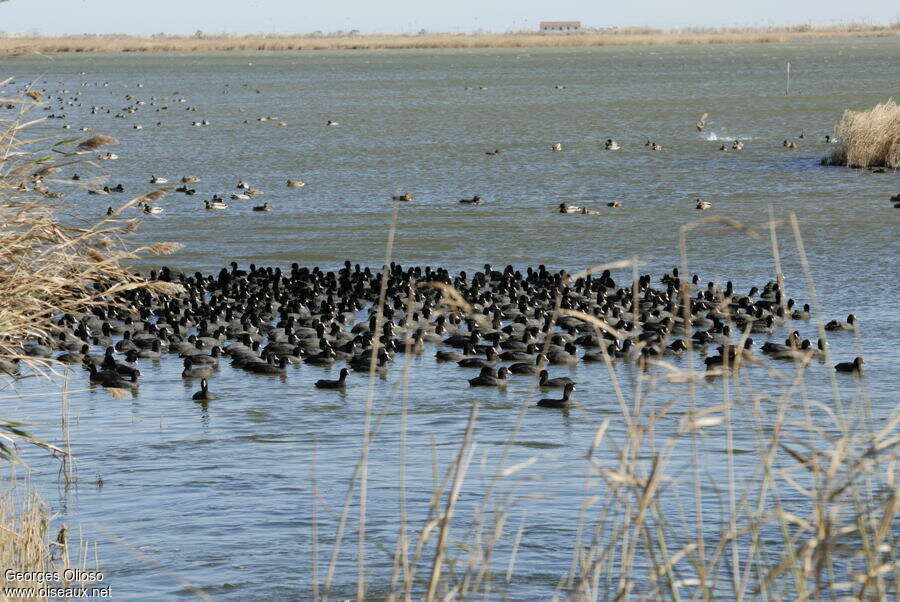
(53, 262)
(868, 138)
(314, 556)
(26, 542)
(370, 397)
(401, 555)
(459, 468)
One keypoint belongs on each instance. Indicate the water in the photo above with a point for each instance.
(219, 496)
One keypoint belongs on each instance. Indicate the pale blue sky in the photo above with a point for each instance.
(288, 16)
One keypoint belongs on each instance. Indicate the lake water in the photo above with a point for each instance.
(220, 496)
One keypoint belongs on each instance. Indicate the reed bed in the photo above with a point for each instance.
(52, 263)
(630, 36)
(29, 543)
(813, 518)
(868, 138)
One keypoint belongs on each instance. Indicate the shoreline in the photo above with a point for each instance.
(629, 37)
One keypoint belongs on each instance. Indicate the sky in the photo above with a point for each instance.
(144, 17)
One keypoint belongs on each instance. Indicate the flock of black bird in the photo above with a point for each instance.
(263, 319)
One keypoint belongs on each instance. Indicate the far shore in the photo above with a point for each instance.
(347, 41)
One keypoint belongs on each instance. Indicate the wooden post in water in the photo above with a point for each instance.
(787, 89)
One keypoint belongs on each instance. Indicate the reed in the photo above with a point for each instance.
(52, 262)
(868, 138)
(28, 544)
(626, 36)
(814, 518)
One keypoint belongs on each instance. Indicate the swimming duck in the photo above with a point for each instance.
(295, 183)
(854, 366)
(10, 367)
(402, 197)
(204, 394)
(74, 357)
(703, 205)
(151, 209)
(614, 204)
(264, 207)
(487, 378)
(108, 378)
(556, 147)
(793, 353)
(475, 200)
(340, 383)
(789, 144)
(611, 144)
(586, 211)
(269, 366)
(553, 383)
(156, 180)
(550, 402)
(528, 368)
(192, 371)
(567, 355)
(153, 353)
(189, 180)
(850, 324)
(518, 355)
(454, 356)
(240, 197)
(37, 349)
(566, 208)
(330, 122)
(478, 362)
(803, 314)
(215, 205)
(202, 359)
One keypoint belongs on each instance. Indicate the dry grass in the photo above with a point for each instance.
(524, 39)
(27, 543)
(868, 138)
(814, 518)
(51, 263)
